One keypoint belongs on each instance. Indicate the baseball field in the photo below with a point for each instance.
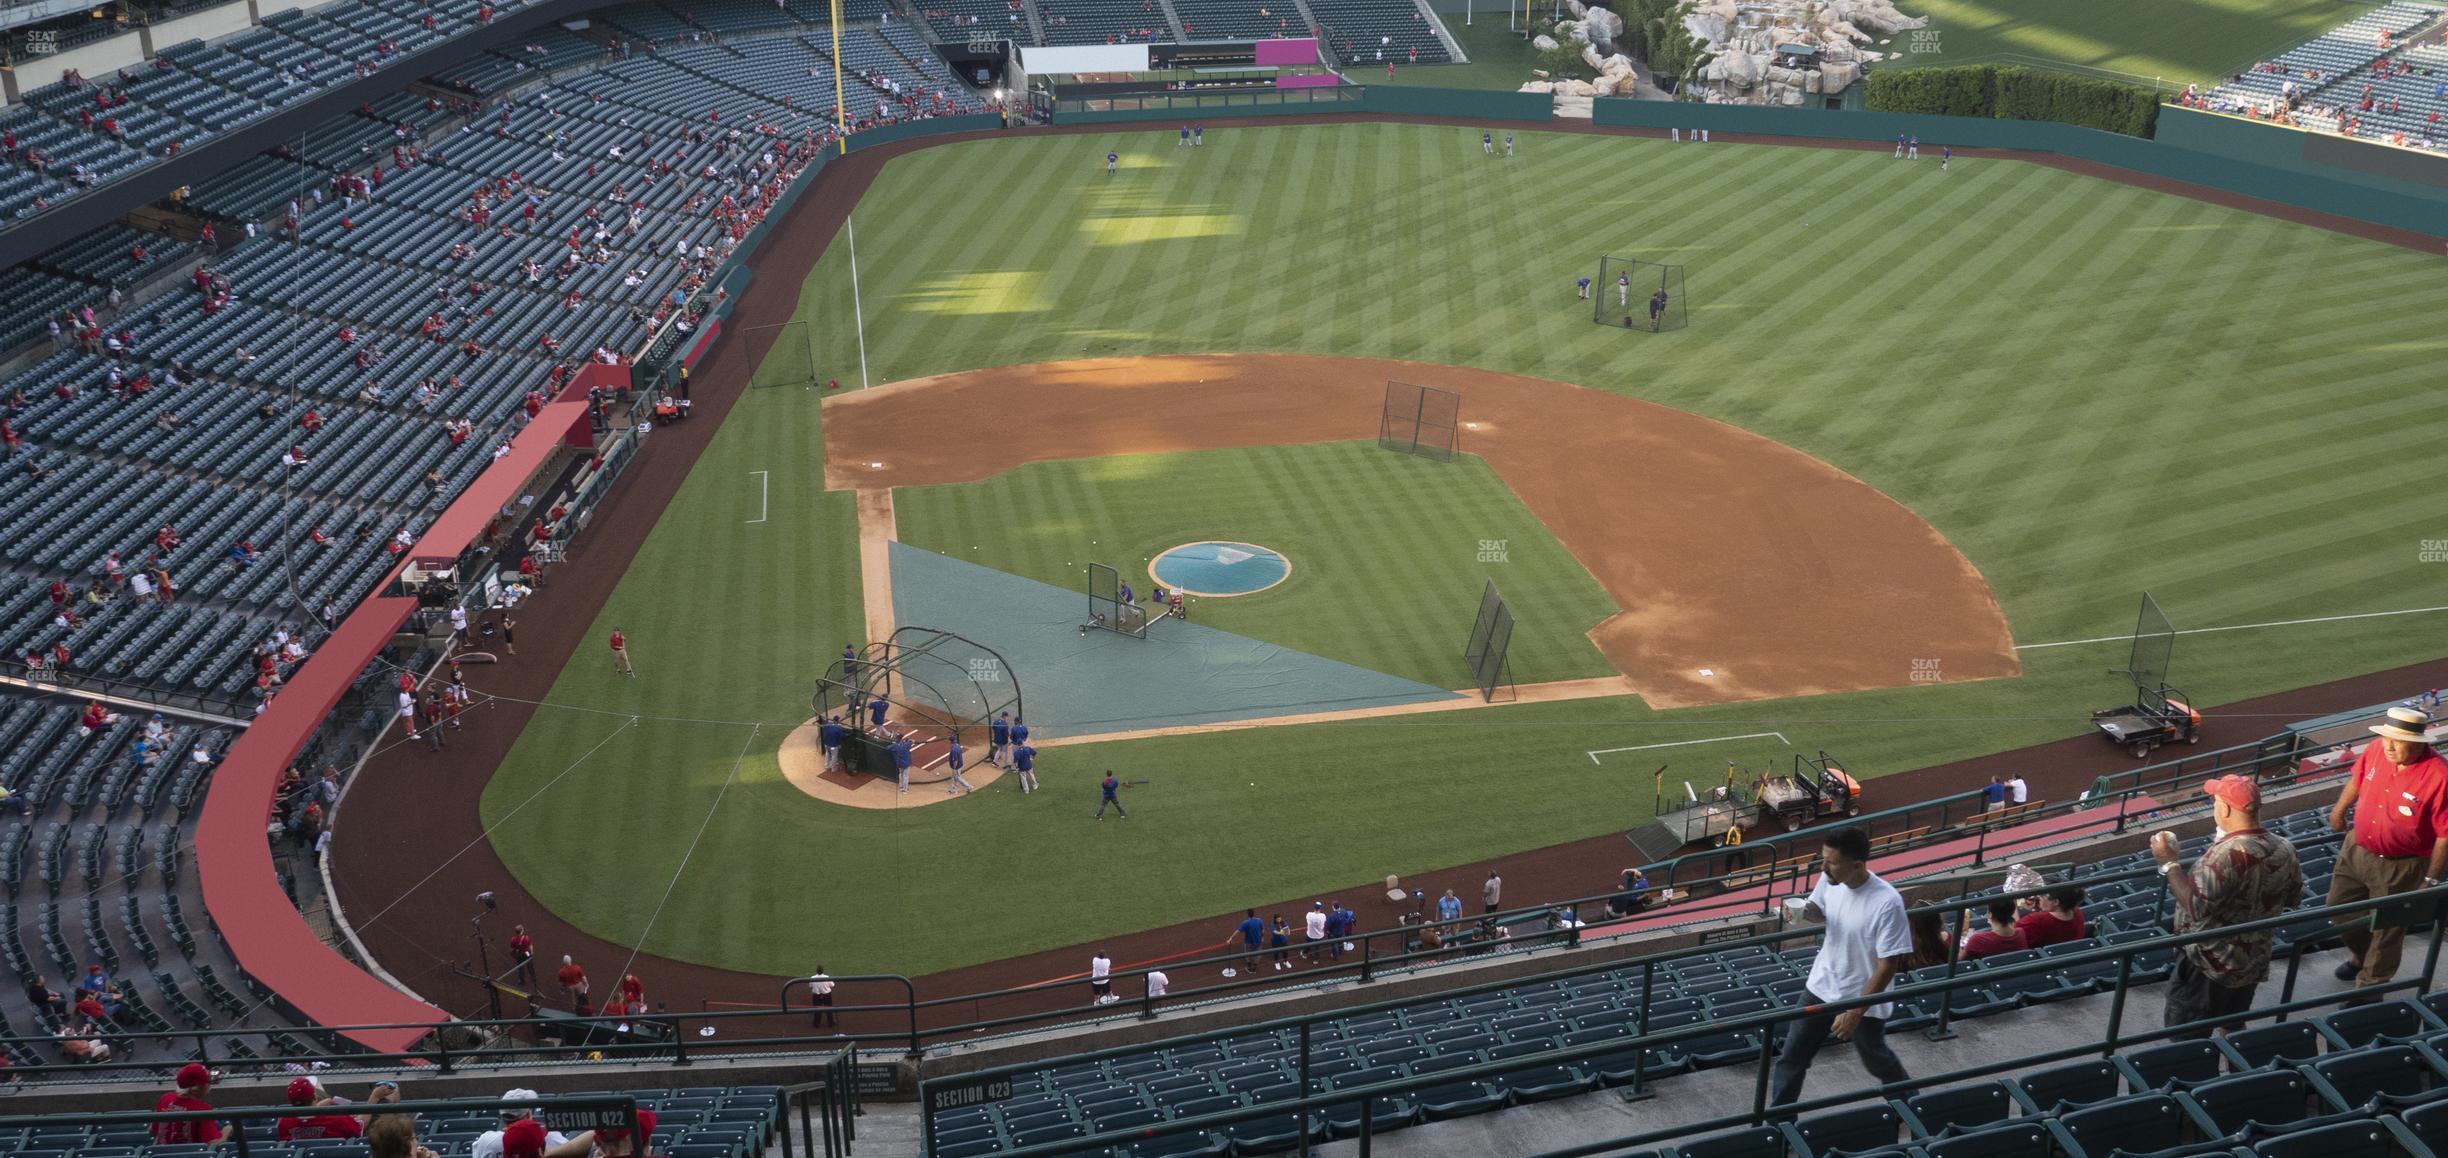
(2080, 390)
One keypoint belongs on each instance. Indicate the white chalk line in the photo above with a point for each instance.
(764, 495)
(2127, 638)
(1595, 753)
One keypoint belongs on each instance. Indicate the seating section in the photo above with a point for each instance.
(959, 20)
(1238, 20)
(2324, 83)
(1103, 21)
(94, 871)
(389, 317)
(692, 1122)
(1370, 33)
(66, 137)
(1527, 1021)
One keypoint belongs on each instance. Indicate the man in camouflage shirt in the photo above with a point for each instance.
(2247, 874)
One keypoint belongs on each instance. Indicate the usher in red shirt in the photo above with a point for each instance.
(2399, 811)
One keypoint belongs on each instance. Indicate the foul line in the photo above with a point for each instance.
(2238, 627)
(858, 312)
(691, 851)
(1595, 753)
(764, 495)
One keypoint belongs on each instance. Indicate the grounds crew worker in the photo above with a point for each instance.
(2398, 792)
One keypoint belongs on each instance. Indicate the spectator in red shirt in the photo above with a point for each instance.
(2000, 937)
(308, 1094)
(633, 995)
(522, 954)
(2398, 793)
(193, 1080)
(2060, 919)
(573, 979)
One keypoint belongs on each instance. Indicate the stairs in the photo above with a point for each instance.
(1173, 21)
(1444, 35)
(885, 1130)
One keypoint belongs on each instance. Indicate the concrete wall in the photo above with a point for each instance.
(96, 60)
(210, 24)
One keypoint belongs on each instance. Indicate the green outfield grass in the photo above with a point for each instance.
(2176, 41)
(1500, 58)
(1387, 576)
(2081, 385)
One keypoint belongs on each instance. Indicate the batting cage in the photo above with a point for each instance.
(1112, 606)
(934, 685)
(1491, 636)
(782, 355)
(1421, 420)
(1633, 294)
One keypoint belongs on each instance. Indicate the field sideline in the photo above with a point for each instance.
(2042, 365)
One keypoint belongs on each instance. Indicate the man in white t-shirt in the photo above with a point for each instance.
(1100, 978)
(1157, 983)
(489, 1145)
(1313, 929)
(1868, 942)
(2016, 790)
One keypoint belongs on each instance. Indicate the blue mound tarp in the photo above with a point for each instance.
(1074, 684)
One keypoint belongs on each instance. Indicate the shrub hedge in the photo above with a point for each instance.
(2016, 93)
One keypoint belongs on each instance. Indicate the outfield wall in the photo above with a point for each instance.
(2193, 147)
(1382, 99)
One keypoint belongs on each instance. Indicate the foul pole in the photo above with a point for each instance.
(841, 116)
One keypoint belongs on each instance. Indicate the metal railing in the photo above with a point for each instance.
(2390, 911)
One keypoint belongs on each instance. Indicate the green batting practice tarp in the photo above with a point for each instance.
(1100, 682)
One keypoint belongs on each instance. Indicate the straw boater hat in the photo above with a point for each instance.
(2412, 725)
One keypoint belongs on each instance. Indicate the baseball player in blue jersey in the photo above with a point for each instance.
(1019, 732)
(1508, 144)
(998, 738)
(875, 711)
(1623, 290)
(1112, 797)
(1198, 135)
(1024, 762)
(1899, 144)
(953, 760)
(1185, 138)
(901, 761)
(1946, 153)
(1585, 284)
(1487, 143)
(1112, 159)
(829, 740)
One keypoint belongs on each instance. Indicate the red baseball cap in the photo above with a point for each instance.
(523, 1139)
(194, 1074)
(2236, 791)
(304, 1091)
(646, 1125)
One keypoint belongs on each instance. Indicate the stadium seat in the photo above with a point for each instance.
(1755, 1142)
(2021, 1138)
(1961, 1110)
(2072, 1085)
(1860, 1129)
(2161, 1067)
(2142, 1124)
(2371, 1138)
(2355, 1078)
(2389, 1020)
(2267, 1045)
(2254, 1103)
